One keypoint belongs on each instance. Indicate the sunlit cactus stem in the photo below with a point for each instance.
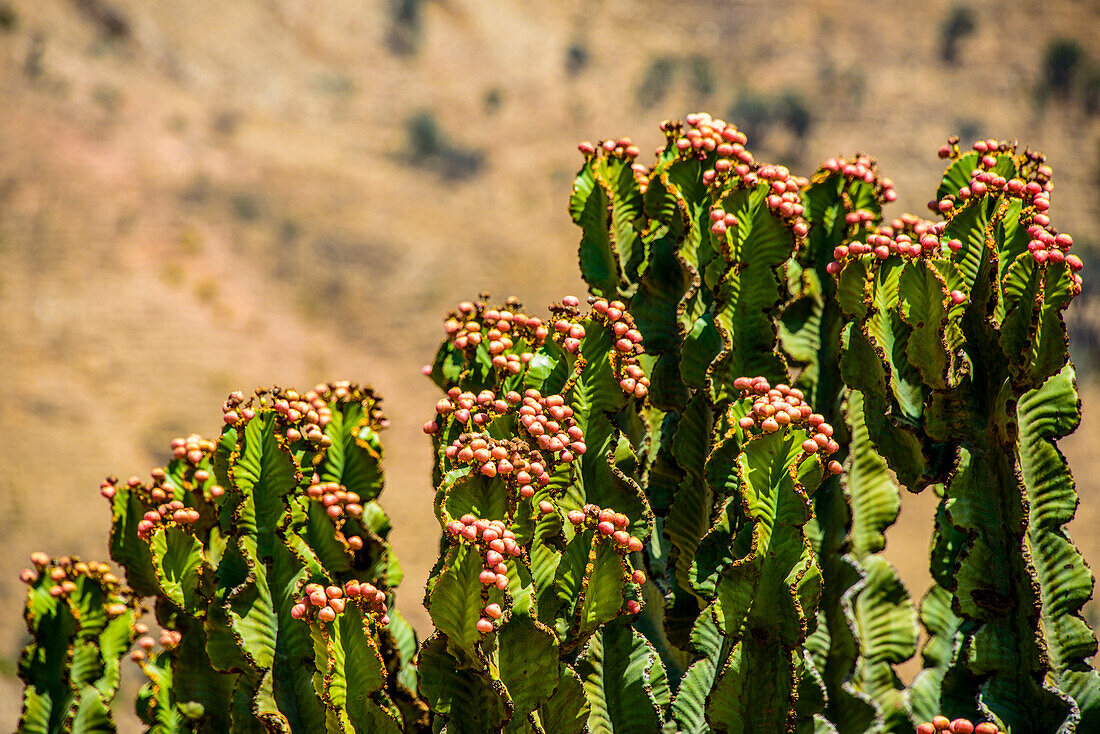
(82, 622)
(957, 337)
(229, 536)
(867, 621)
(543, 519)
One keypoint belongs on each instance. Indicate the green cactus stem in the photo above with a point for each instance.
(757, 569)
(230, 535)
(867, 622)
(953, 325)
(82, 621)
(541, 513)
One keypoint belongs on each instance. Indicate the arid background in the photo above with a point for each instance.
(203, 195)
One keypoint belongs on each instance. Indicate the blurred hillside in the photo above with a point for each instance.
(199, 196)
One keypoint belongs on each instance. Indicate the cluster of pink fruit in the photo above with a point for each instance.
(862, 168)
(329, 601)
(338, 503)
(307, 415)
(782, 405)
(908, 237)
(173, 511)
(168, 640)
(548, 420)
(499, 329)
(501, 457)
(494, 541)
(612, 525)
(705, 135)
(628, 343)
(622, 148)
(608, 523)
(785, 200)
(490, 612)
(943, 725)
(1033, 190)
(194, 450)
(64, 572)
(466, 407)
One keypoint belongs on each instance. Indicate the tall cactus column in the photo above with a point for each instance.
(757, 570)
(543, 523)
(82, 622)
(695, 247)
(958, 345)
(266, 551)
(868, 622)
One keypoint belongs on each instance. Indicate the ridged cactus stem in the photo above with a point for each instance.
(953, 325)
(543, 521)
(694, 245)
(81, 621)
(235, 535)
(757, 569)
(867, 621)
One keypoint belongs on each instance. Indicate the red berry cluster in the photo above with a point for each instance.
(194, 448)
(329, 601)
(862, 168)
(570, 334)
(494, 540)
(193, 451)
(506, 330)
(501, 457)
(988, 150)
(65, 571)
(499, 328)
(307, 416)
(547, 420)
(235, 411)
(466, 407)
(168, 640)
(171, 512)
(628, 344)
(304, 415)
(705, 135)
(785, 198)
(338, 503)
(550, 422)
(343, 392)
(623, 148)
(1032, 188)
(782, 405)
(958, 726)
(909, 236)
(491, 612)
(610, 524)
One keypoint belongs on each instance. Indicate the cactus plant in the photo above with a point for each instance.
(956, 341)
(542, 518)
(660, 510)
(82, 622)
(236, 538)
